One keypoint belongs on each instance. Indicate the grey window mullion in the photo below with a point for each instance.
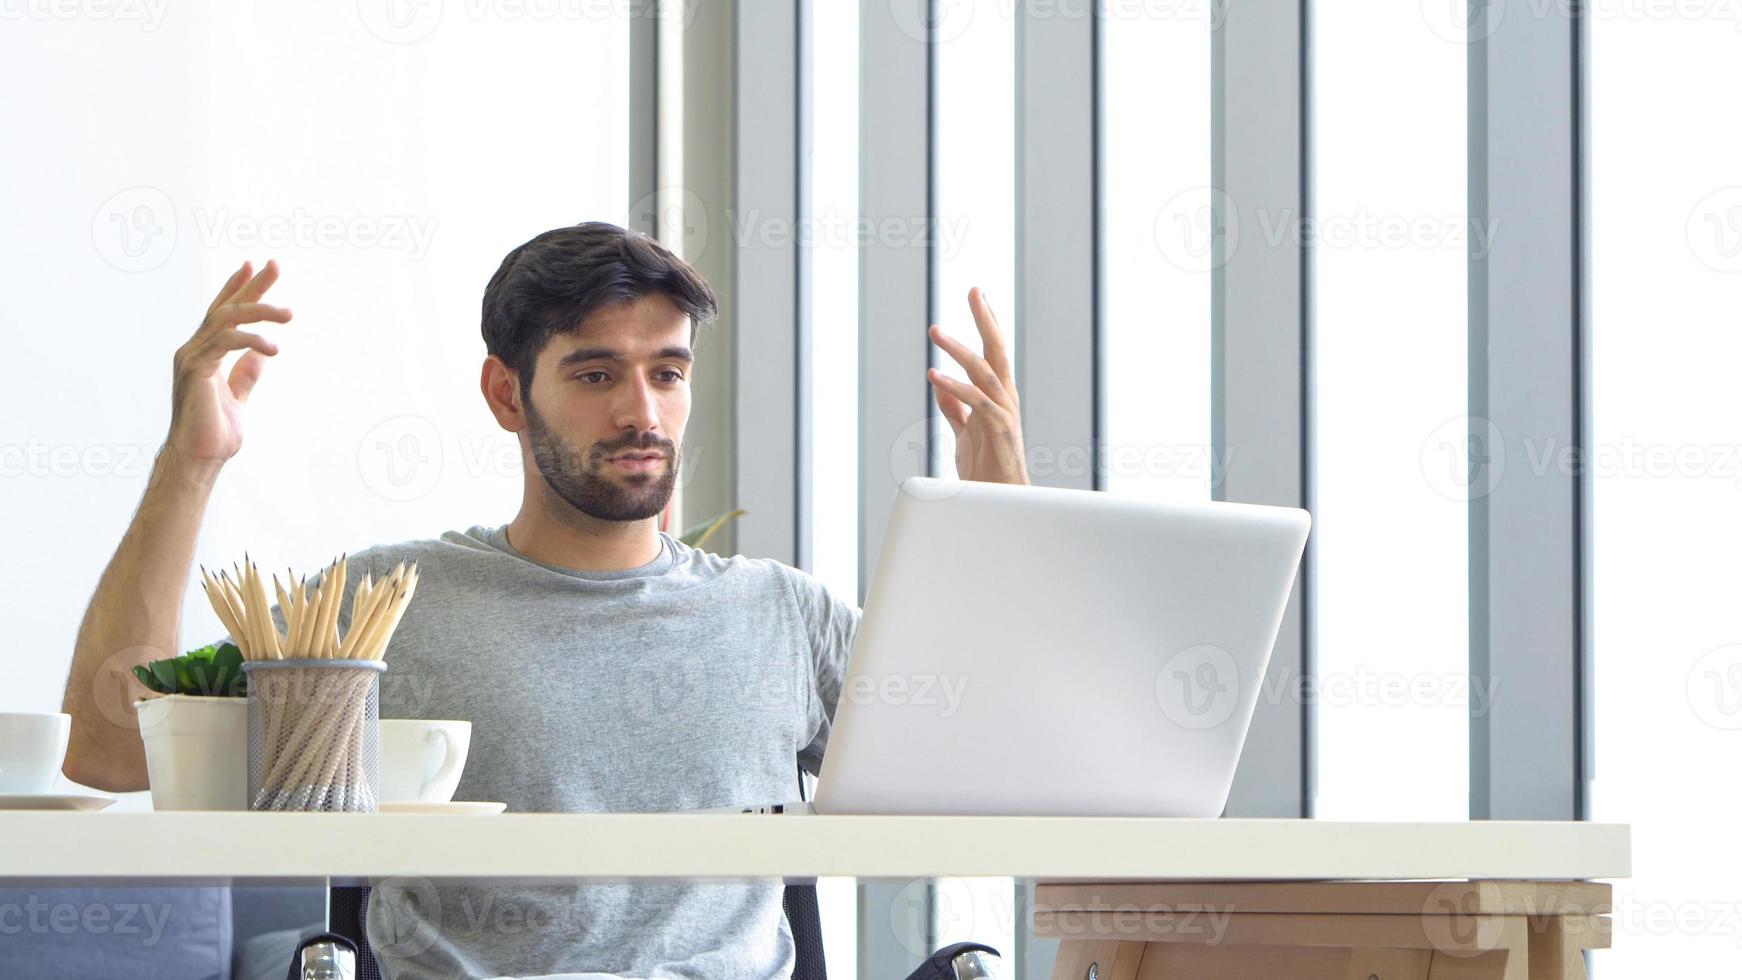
(705, 211)
(1057, 245)
(1260, 339)
(644, 123)
(740, 200)
(896, 285)
(804, 88)
(895, 275)
(763, 230)
(1058, 289)
(1529, 563)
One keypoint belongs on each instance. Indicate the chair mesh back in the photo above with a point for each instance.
(800, 902)
(348, 915)
(806, 922)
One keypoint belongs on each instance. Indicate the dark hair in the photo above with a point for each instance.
(549, 285)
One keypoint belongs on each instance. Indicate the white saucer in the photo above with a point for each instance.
(55, 801)
(455, 806)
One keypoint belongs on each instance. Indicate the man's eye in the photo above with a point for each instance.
(670, 375)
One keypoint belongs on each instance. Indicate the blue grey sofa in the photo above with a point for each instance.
(152, 932)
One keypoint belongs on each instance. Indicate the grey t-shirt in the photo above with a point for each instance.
(692, 681)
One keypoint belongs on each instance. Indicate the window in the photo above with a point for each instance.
(834, 364)
(975, 143)
(1156, 249)
(1666, 274)
(1391, 523)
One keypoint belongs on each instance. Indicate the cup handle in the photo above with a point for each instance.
(450, 762)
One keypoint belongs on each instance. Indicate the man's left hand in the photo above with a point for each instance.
(986, 415)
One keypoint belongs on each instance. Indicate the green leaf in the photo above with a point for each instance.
(697, 536)
(149, 679)
(228, 657)
(184, 673)
(164, 670)
(228, 681)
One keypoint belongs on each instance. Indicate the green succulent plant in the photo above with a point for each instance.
(210, 671)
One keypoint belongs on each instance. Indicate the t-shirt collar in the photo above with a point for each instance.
(660, 564)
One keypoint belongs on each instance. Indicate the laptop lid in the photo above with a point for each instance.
(1035, 650)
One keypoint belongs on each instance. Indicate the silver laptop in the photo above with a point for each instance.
(1038, 651)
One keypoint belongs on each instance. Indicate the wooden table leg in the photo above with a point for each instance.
(1487, 966)
(1097, 960)
(1558, 944)
(1386, 964)
(1474, 930)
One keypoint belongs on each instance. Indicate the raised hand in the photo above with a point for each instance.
(985, 414)
(206, 423)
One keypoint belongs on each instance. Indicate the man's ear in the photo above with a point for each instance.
(501, 389)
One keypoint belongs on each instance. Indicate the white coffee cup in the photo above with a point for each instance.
(32, 747)
(421, 761)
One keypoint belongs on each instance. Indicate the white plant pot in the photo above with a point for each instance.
(196, 751)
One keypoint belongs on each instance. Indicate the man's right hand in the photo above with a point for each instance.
(205, 427)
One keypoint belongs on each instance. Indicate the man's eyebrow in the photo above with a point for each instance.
(581, 355)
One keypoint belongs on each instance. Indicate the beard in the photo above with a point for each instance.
(582, 480)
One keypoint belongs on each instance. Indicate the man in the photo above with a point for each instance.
(605, 665)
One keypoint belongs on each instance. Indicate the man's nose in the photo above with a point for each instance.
(637, 407)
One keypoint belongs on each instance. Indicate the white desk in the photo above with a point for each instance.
(525, 846)
(1308, 900)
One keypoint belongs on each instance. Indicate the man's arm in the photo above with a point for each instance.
(833, 623)
(135, 614)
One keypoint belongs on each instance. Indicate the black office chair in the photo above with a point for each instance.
(343, 952)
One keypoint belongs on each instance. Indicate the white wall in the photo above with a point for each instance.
(414, 153)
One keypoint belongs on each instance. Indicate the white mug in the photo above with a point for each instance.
(421, 760)
(32, 747)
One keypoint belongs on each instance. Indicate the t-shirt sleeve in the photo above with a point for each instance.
(832, 621)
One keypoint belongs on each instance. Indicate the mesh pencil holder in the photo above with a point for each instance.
(314, 735)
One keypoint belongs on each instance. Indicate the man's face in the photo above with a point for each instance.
(617, 388)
